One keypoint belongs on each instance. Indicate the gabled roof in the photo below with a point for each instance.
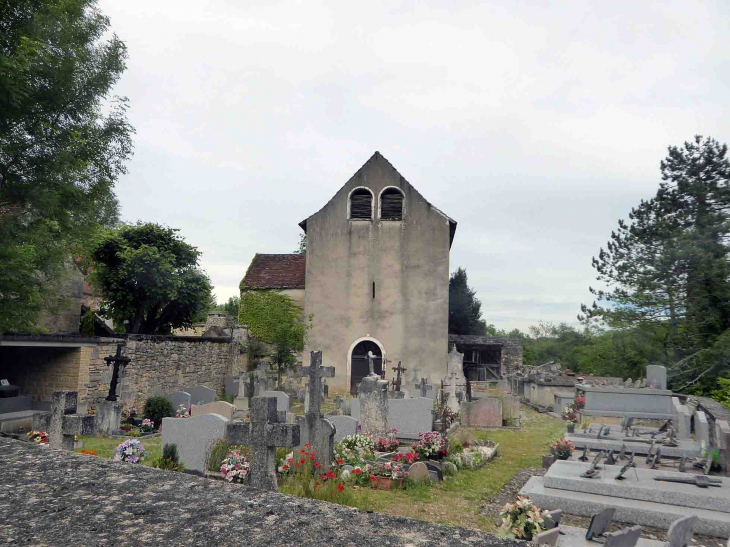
(268, 271)
(377, 155)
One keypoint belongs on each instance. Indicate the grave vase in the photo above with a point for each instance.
(386, 483)
(571, 428)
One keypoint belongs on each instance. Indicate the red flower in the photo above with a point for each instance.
(317, 465)
(318, 483)
(302, 460)
(357, 471)
(372, 478)
(340, 461)
(307, 446)
(323, 477)
(340, 488)
(285, 467)
(311, 458)
(302, 451)
(331, 474)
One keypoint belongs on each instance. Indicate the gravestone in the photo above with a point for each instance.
(410, 416)
(194, 437)
(282, 399)
(344, 426)
(246, 388)
(702, 428)
(482, 413)
(62, 423)
(628, 537)
(419, 472)
(263, 435)
(453, 401)
(314, 429)
(200, 395)
(425, 389)
(232, 385)
(179, 398)
(600, 523)
(681, 531)
(553, 521)
(373, 408)
(108, 418)
(548, 537)
(221, 408)
(657, 375)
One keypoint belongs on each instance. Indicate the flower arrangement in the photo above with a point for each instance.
(235, 467)
(355, 449)
(430, 445)
(562, 448)
(130, 451)
(389, 443)
(522, 519)
(393, 470)
(147, 425)
(182, 412)
(409, 457)
(41, 437)
(129, 413)
(570, 413)
(580, 402)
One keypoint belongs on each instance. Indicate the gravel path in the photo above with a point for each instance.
(492, 507)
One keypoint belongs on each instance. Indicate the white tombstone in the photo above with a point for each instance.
(282, 399)
(194, 437)
(656, 376)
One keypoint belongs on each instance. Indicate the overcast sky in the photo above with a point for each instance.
(535, 125)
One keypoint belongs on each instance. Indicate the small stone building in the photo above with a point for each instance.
(487, 358)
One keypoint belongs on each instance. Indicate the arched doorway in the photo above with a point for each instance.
(359, 367)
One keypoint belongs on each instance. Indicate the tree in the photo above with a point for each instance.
(464, 307)
(667, 270)
(230, 307)
(274, 318)
(149, 279)
(302, 244)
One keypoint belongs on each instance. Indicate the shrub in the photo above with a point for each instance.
(169, 452)
(219, 450)
(156, 408)
(170, 459)
(455, 447)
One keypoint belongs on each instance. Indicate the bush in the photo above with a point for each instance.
(170, 459)
(157, 408)
(463, 436)
(455, 447)
(169, 452)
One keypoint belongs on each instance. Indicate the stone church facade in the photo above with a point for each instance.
(376, 277)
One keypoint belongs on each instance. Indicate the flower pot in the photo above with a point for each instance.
(548, 460)
(571, 428)
(383, 483)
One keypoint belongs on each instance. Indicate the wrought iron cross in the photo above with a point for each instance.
(398, 369)
(117, 360)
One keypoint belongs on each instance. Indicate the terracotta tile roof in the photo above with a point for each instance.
(276, 272)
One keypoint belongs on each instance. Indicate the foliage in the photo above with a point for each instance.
(455, 447)
(87, 324)
(156, 408)
(355, 449)
(562, 448)
(219, 450)
(389, 443)
(147, 425)
(234, 467)
(170, 459)
(131, 451)
(274, 318)
(394, 470)
(302, 246)
(431, 445)
(62, 144)
(722, 395)
(231, 307)
(522, 519)
(464, 307)
(149, 278)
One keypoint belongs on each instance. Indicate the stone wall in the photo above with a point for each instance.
(161, 364)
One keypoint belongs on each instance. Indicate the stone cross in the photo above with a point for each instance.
(263, 435)
(62, 423)
(117, 360)
(399, 369)
(371, 365)
(423, 387)
(316, 372)
(452, 401)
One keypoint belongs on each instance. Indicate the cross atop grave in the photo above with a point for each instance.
(423, 387)
(399, 369)
(263, 435)
(371, 365)
(117, 360)
(61, 422)
(316, 372)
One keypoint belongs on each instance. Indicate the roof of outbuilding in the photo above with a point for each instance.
(269, 271)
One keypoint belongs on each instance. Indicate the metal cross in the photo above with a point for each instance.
(117, 360)
(398, 369)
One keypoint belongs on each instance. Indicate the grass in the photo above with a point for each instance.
(104, 446)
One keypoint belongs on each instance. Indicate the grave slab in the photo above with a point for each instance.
(576, 537)
(410, 416)
(108, 417)
(200, 395)
(687, 448)
(193, 436)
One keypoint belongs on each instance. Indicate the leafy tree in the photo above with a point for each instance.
(274, 318)
(61, 147)
(149, 279)
(667, 270)
(464, 307)
(231, 307)
(302, 244)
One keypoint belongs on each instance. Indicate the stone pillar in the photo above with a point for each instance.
(107, 418)
(682, 420)
(373, 396)
(702, 428)
(722, 431)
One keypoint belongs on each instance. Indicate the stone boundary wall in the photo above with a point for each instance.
(160, 364)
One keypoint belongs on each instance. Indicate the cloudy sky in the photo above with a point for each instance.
(535, 125)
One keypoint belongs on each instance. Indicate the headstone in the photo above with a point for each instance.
(419, 472)
(344, 426)
(315, 372)
(453, 401)
(246, 388)
(681, 531)
(200, 395)
(702, 428)
(553, 521)
(600, 523)
(683, 464)
(61, 423)
(107, 418)
(482, 413)
(221, 408)
(455, 365)
(425, 389)
(282, 399)
(682, 419)
(263, 435)
(548, 537)
(628, 537)
(373, 397)
(232, 385)
(314, 430)
(179, 398)
(656, 374)
(194, 438)
(410, 416)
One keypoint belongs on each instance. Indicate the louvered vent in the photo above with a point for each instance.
(391, 205)
(361, 205)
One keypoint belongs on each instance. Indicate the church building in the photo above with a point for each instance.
(375, 277)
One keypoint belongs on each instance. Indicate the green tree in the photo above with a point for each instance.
(62, 145)
(668, 270)
(274, 318)
(230, 307)
(149, 279)
(302, 244)
(465, 315)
